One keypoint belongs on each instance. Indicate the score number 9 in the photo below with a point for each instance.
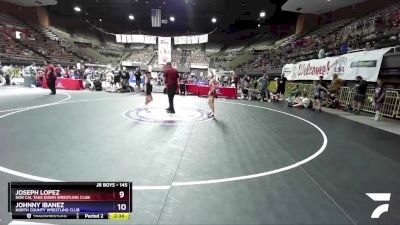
(121, 207)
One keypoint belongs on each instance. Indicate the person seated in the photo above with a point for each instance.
(334, 89)
(296, 92)
(301, 102)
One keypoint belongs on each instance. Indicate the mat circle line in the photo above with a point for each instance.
(188, 183)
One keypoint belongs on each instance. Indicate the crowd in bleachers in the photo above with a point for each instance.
(197, 57)
(31, 39)
(141, 56)
(11, 49)
(367, 33)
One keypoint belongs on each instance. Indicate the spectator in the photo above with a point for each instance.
(319, 91)
(281, 85)
(296, 92)
(321, 53)
(301, 102)
(378, 99)
(334, 88)
(361, 91)
(264, 87)
(235, 79)
(58, 71)
(138, 76)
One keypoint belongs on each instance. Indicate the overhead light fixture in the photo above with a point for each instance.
(147, 2)
(131, 17)
(262, 14)
(214, 20)
(77, 9)
(172, 19)
(259, 25)
(100, 20)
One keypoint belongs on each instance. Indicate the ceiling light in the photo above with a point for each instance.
(172, 19)
(259, 25)
(262, 14)
(214, 20)
(77, 9)
(131, 17)
(100, 20)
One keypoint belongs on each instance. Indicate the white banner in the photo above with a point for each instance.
(366, 64)
(146, 39)
(177, 40)
(119, 38)
(150, 39)
(203, 38)
(138, 38)
(124, 38)
(195, 39)
(187, 40)
(164, 50)
(129, 38)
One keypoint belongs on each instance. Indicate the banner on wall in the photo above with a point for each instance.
(366, 64)
(147, 39)
(187, 40)
(119, 38)
(164, 50)
(203, 38)
(150, 39)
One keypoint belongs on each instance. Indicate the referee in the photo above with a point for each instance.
(50, 76)
(171, 80)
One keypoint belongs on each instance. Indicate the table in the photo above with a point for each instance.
(67, 84)
(228, 92)
(191, 88)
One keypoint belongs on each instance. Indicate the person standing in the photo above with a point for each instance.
(379, 98)
(171, 80)
(264, 87)
(138, 79)
(235, 80)
(58, 70)
(361, 91)
(148, 89)
(334, 89)
(212, 94)
(319, 91)
(50, 76)
(281, 86)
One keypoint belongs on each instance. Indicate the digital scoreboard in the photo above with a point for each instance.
(70, 200)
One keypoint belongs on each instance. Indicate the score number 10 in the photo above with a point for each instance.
(121, 207)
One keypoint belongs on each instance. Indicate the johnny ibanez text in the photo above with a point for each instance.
(41, 207)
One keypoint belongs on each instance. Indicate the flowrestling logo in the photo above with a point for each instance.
(379, 197)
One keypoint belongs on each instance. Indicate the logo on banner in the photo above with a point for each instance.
(379, 197)
(59, 84)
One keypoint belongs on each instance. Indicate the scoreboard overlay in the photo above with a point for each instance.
(70, 200)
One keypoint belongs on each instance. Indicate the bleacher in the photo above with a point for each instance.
(213, 48)
(197, 57)
(10, 49)
(369, 21)
(376, 30)
(36, 41)
(142, 56)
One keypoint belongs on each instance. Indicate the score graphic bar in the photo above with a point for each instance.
(70, 200)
